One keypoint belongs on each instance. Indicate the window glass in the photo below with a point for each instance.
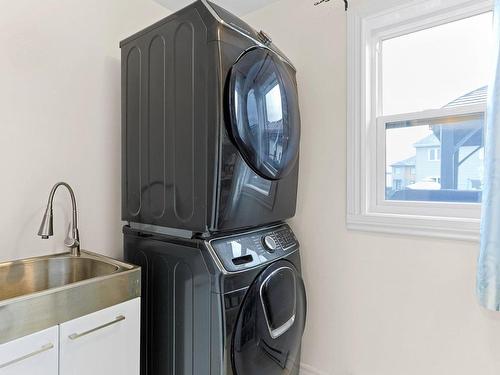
(434, 154)
(430, 69)
(273, 104)
(438, 159)
(252, 111)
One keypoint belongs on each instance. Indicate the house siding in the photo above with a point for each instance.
(471, 169)
(425, 167)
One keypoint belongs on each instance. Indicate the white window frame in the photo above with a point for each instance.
(369, 22)
(435, 152)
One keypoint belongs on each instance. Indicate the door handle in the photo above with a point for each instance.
(75, 336)
(277, 332)
(43, 349)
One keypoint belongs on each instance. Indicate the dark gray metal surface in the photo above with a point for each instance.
(190, 303)
(180, 167)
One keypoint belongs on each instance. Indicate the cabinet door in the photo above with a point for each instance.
(33, 354)
(102, 343)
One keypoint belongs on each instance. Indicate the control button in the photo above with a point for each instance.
(270, 244)
(286, 239)
(265, 38)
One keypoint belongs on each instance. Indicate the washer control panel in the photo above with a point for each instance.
(251, 249)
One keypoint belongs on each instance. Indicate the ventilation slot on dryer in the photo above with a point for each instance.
(243, 260)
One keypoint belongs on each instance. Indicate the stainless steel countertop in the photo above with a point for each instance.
(32, 301)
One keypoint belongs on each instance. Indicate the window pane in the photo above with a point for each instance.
(273, 104)
(429, 69)
(439, 159)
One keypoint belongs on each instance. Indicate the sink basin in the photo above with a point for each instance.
(26, 277)
(39, 293)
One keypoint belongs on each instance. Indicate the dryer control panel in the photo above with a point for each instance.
(251, 249)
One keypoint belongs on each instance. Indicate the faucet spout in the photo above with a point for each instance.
(46, 230)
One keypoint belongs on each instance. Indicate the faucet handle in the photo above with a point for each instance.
(72, 238)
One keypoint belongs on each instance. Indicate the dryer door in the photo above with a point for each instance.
(263, 112)
(270, 324)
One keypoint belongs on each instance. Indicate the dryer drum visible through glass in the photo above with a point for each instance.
(263, 113)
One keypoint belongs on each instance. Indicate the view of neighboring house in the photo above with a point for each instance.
(428, 160)
(403, 173)
(462, 157)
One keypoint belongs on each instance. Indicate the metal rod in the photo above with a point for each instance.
(43, 349)
(346, 3)
(75, 336)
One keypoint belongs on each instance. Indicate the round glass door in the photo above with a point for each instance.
(268, 331)
(264, 118)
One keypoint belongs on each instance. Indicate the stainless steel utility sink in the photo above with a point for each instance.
(26, 277)
(38, 293)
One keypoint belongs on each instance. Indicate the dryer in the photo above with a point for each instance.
(227, 305)
(210, 124)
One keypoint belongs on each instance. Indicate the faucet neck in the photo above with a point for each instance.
(73, 201)
(72, 240)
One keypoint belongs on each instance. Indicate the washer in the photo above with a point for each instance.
(228, 305)
(210, 124)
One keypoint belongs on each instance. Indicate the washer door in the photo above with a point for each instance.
(264, 119)
(268, 331)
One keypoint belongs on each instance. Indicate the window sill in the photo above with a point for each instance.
(434, 227)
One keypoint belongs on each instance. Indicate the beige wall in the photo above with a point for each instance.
(378, 304)
(60, 117)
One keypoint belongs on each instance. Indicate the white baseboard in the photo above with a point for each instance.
(306, 369)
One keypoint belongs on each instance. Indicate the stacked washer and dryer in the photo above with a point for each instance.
(211, 131)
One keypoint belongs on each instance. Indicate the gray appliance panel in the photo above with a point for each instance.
(241, 252)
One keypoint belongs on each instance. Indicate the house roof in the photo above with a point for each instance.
(410, 162)
(429, 141)
(477, 96)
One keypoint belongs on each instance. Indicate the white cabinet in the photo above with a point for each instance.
(102, 343)
(33, 354)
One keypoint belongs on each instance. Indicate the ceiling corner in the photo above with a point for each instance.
(238, 7)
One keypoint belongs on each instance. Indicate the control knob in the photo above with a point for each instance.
(270, 243)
